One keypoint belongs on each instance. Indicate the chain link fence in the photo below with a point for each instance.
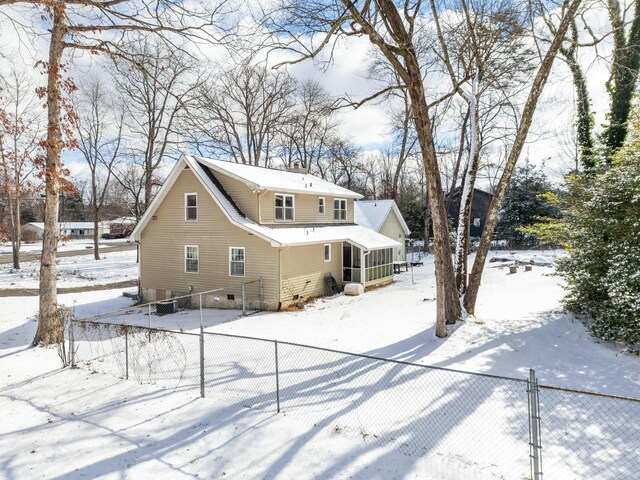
(476, 425)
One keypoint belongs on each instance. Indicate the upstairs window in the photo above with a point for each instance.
(284, 207)
(339, 209)
(321, 205)
(190, 207)
(191, 259)
(236, 261)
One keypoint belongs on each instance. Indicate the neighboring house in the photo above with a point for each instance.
(120, 227)
(384, 217)
(479, 209)
(73, 230)
(217, 224)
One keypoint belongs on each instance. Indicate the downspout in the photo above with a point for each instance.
(258, 192)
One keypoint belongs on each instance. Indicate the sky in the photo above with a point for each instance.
(368, 126)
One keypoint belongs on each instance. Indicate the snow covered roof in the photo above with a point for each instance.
(260, 178)
(360, 236)
(123, 221)
(67, 225)
(373, 213)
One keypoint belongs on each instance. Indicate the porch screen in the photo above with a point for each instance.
(379, 264)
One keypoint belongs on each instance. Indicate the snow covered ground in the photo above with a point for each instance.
(75, 271)
(73, 424)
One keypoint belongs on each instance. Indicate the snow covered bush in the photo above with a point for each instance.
(601, 230)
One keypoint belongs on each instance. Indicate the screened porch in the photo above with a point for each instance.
(365, 266)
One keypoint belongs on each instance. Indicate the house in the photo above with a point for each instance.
(383, 216)
(479, 209)
(217, 224)
(74, 230)
(120, 227)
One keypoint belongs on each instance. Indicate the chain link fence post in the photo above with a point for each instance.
(261, 285)
(72, 345)
(201, 350)
(535, 440)
(244, 300)
(277, 377)
(126, 353)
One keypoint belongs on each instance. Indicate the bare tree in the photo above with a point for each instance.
(99, 129)
(392, 30)
(566, 14)
(157, 89)
(240, 113)
(95, 27)
(307, 133)
(20, 137)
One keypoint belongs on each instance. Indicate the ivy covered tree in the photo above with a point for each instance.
(527, 200)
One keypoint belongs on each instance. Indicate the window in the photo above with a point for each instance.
(236, 261)
(339, 209)
(321, 205)
(284, 207)
(327, 252)
(191, 259)
(190, 207)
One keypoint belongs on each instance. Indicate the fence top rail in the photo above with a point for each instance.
(141, 327)
(252, 281)
(586, 392)
(369, 357)
(142, 305)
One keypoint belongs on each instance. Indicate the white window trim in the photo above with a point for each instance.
(346, 209)
(244, 256)
(186, 207)
(324, 206)
(324, 251)
(185, 258)
(293, 206)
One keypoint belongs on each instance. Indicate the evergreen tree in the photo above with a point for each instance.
(600, 229)
(525, 203)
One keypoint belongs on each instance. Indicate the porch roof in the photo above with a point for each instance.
(361, 237)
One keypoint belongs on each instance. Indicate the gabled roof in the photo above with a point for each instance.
(360, 236)
(261, 178)
(373, 213)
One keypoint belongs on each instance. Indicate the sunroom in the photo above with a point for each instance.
(366, 266)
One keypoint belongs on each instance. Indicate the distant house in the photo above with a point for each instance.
(479, 209)
(217, 224)
(73, 230)
(383, 216)
(120, 227)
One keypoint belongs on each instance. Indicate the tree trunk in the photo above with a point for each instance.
(521, 136)
(624, 76)
(466, 196)
(49, 330)
(447, 302)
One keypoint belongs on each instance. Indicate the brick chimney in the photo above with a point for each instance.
(296, 168)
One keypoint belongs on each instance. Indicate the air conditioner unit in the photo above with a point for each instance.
(166, 308)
